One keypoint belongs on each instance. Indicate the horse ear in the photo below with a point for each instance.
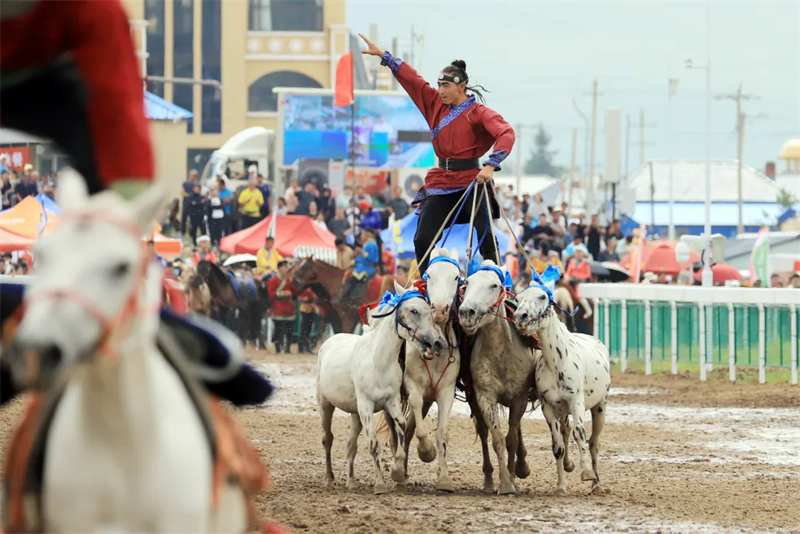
(71, 193)
(148, 205)
(436, 252)
(487, 262)
(454, 253)
(398, 288)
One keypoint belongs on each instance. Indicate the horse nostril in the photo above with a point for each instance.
(471, 312)
(438, 346)
(446, 309)
(524, 317)
(50, 355)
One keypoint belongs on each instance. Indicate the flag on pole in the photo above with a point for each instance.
(759, 258)
(344, 95)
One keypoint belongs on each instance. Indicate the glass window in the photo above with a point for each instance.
(154, 14)
(183, 55)
(212, 66)
(261, 97)
(286, 15)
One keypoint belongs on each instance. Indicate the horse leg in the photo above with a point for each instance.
(566, 430)
(352, 448)
(326, 414)
(578, 409)
(366, 409)
(444, 401)
(515, 413)
(558, 447)
(395, 412)
(522, 470)
(483, 434)
(488, 406)
(426, 449)
(598, 421)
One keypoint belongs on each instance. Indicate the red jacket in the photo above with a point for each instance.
(209, 256)
(281, 295)
(469, 136)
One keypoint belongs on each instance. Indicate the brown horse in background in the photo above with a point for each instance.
(327, 282)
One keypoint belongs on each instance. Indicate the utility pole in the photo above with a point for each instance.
(642, 125)
(572, 173)
(738, 96)
(590, 184)
(394, 53)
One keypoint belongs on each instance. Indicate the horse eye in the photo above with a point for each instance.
(542, 297)
(495, 286)
(121, 269)
(414, 312)
(456, 278)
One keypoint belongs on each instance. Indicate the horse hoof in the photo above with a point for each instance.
(597, 489)
(489, 487)
(329, 483)
(380, 489)
(445, 484)
(569, 467)
(507, 489)
(588, 475)
(426, 450)
(559, 492)
(522, 470)
(399, 475)
(351, 485)
(400, 487)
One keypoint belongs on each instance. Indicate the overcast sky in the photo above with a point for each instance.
(535, 57)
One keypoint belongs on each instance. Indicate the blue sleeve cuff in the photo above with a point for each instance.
(496, 158)
(388, 60)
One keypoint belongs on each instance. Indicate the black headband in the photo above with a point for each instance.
(455, 79)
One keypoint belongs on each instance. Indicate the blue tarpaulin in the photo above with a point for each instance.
(158, 109)
(403, 238)
(48, 204)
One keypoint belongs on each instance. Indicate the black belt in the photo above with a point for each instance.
(452, 164)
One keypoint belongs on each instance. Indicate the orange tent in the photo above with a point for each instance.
(291, 231)
(657, 257)
(25, 218)
(9, 241)
(166, 246)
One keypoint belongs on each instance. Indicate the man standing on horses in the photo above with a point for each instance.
(462, 130)
(367, 263)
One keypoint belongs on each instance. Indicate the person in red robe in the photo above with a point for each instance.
(462, 130)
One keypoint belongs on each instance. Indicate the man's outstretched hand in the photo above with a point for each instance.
(373, 49)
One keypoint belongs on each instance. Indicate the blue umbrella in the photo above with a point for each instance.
(403, 237)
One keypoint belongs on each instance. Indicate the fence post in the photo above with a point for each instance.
(793, 339)
(607, 322)
(673, 319)
(731, 343)
(596, 318)
(762, 344)
(623, 342)
(702, 320)
(648, 339)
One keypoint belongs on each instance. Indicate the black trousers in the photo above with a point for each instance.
(434, 213)
(216, 228)
(247, 221)
(306, 325)
(282, 337)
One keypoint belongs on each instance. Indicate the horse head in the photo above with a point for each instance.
(443, 277)
(484, 292)
(95, 284)
(533, 308)
(414, 320)
(310, 271)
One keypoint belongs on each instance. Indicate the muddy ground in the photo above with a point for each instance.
(676, 456)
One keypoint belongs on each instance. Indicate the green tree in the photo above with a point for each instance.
(541, 159)
(785, 199)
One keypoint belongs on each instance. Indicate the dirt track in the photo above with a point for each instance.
(676, 456)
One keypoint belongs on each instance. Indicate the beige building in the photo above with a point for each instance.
(249, 46)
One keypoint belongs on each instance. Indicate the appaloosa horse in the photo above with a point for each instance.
(327, 281)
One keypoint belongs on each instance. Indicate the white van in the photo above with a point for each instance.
(252, 146)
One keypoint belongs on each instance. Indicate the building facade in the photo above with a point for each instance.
(248, 46)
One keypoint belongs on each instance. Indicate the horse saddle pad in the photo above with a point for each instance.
(235, 460)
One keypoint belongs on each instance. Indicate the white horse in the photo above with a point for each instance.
(572, 376)
(361, 375)
(126, 449)
(502, 368)
(434, 379)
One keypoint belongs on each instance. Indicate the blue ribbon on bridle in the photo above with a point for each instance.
(439, 259)
(547, 283)
(505, 277)
(393, 300)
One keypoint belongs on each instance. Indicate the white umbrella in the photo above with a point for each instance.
(239, 258)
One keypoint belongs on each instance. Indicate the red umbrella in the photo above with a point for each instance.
(722, 273)
(658, 257)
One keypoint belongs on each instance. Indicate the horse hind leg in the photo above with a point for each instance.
(515, 413)
(326, 415)
(488, 406)
(522, 469)
(598, 421)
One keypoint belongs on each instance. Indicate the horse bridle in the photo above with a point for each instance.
(109, 326)
(398, 322)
